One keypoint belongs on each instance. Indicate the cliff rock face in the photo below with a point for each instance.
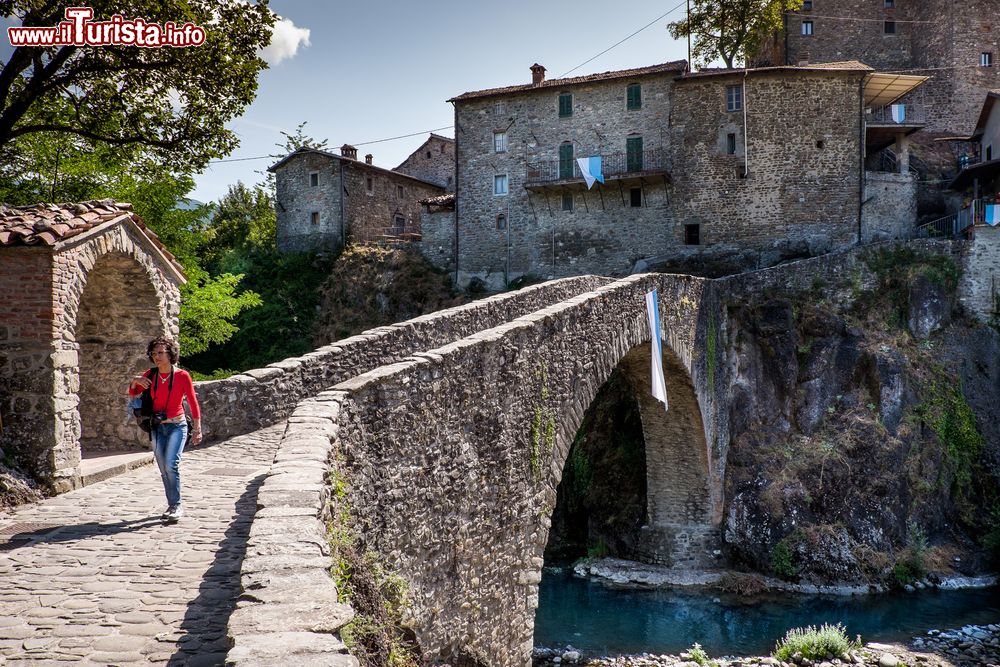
(865, 443)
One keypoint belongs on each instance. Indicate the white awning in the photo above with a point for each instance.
(884, 89)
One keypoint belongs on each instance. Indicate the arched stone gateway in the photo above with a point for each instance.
(85, 287)
(453, 459)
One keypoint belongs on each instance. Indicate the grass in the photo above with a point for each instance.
(823, 643)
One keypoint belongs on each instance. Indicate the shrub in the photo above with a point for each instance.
(699, 656)
(815, 644)
(782, 561)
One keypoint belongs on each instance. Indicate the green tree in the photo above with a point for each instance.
(244, 220)
(168, 104)
(730, 29)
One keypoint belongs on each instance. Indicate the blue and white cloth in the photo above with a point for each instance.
(591, 169)
(992, 215)
(898, 113)
(659, 386)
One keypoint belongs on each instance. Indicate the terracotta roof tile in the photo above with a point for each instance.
(676, 66)
(846, 65)
(47, 224)
(447, 199)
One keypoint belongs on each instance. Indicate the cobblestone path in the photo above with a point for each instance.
(93, 577)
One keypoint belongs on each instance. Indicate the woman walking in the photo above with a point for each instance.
(168, 386)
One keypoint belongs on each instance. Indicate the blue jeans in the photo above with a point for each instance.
(168, 443)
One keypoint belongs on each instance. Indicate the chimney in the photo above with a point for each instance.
(368, 159)
(349, 151)
(537, 74)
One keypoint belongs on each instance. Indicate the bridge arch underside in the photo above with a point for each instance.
(119, 312)
(453, 457)
(636, 483)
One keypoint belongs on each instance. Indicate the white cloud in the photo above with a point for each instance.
(285, 41)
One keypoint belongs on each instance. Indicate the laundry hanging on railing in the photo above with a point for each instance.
(590, 167)
(992, 215)
(659, 385)
(898, 113)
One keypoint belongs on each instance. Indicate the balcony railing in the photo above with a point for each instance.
(912, 115)
(653, 160)
(954, 225)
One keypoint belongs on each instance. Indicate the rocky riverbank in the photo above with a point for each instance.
(963, 647)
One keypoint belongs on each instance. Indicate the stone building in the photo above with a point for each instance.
(85, 287)
(981, 172)
(433, 161)
(723, 167)
(956, 45)
(325, 200)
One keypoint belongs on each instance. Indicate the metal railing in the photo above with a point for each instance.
(912, 115)
(955, 225)
(888, 162)
(613, 164)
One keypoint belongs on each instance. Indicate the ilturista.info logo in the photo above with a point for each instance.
(80, 30)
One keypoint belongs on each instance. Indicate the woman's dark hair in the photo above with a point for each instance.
(173, 349)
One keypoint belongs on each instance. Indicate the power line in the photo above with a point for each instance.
(853, 18)
(662, 16)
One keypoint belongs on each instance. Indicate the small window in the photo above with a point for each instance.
(692, 234)
(807, 27)
(889, 27)
(986, 59)
(565, 105)
(566, 160)
(989, 153)
(731, 143)
(499, 142)
(500, 184)
(398, 224)
(314, 217)
(734, 98)
(497, 109)
(635, 197)
(501, 221)
(807, 4)
(889, 4)
(633, 96)
(399, 191)
(633, 154)
(428, 155)
(313, 179)
(567, 201)
(369, 185)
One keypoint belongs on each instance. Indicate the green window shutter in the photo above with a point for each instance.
(565, 105)
(634, 96)
(566, 161)
(633, 154)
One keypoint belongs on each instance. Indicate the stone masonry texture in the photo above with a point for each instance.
(934, 38)
(433, 162)
(890, 207)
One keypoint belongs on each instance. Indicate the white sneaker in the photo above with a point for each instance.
(174, 514)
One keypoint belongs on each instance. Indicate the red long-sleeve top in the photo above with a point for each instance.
(183, 388)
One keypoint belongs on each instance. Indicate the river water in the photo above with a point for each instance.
(605, 621)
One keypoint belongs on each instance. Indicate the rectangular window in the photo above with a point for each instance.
(499, 142)
(807, 27)
(889, 27)
(633, 97)
(692, 234)
(314, 217)
(369, 185)
(565, 105)
(889, 4)
(633, 154)
(989, 153)
(498, 108)
(807, 4)
(566, 160)
(731, 144)
(313, 179)
(501, 221)
(567, 202)
(734, 98)
(635, 197)
(500, 184)
(986, 59)
(399, 191)
(398, 224)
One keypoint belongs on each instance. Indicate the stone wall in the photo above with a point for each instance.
(298, 200)
(803, 153)
(980, 284)
(260, 397)
(602, 233)
(856, 33)
(890, 208)
(375, 197)
(69, 350)
(433, 162)
(437, 232)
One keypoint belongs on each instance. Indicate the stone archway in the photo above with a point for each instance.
(119, 312)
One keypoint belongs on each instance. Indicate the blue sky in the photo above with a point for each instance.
(363, 71)
(378, 69)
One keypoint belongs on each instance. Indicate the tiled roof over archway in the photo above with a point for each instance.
(47, 224)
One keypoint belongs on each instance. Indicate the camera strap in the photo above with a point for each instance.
(170, 385)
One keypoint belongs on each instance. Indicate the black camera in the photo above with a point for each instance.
(158, 418)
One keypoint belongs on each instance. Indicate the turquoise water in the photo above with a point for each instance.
(605, 621)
